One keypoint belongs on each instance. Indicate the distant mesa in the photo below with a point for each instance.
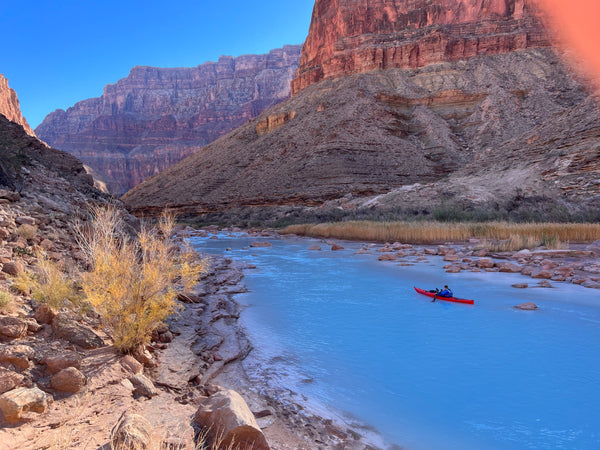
(9, 106)
(155, 117)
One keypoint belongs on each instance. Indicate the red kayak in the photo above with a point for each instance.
(446, 299)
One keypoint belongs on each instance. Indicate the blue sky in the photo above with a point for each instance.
(58, 52)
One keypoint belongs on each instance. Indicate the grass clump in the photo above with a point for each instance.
(133, 283)
(27, 231)
(7, 301)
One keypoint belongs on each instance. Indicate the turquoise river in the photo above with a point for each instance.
(348, 332)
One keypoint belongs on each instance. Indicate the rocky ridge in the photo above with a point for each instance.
(155, 117)
(9, 106)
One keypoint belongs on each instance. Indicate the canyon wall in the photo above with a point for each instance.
(9, 106)
(353, 36)
(456, 114)
(155, 117)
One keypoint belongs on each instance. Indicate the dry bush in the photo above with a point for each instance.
(50, 284)
(7, 302)
(27, 231)
(133, 283)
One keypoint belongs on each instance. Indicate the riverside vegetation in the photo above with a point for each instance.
(132, 283)
(503, 236)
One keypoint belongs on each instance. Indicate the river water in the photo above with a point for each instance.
(349, 333)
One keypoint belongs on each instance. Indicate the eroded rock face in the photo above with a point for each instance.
(155, 117)
(9, 106)
(353, 36)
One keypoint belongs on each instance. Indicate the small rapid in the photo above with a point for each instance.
(349, 332)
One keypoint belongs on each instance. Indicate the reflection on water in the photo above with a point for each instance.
(350, 332)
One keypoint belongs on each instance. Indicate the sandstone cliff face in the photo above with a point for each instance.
(353, 36)
(9, 106)
(156, 117)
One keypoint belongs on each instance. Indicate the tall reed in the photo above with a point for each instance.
(436, 232)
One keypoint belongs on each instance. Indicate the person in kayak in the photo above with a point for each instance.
(446, 292)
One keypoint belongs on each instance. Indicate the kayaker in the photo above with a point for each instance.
(446, 292)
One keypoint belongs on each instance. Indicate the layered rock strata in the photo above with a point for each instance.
(156, 117)
(369, 133)
(349, 36)
(10, 107)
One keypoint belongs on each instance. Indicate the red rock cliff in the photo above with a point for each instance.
(354, 36)
(157, 116)
(9, 106)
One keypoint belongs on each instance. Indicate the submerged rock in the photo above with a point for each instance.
(529, 306)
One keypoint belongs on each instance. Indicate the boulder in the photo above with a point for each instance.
(15, 403)
(387, 257)
(143, 386)
(56, 363)
(315, 247)
(9, 380)
(131, 364)
(545, 284)
(25, 220)
(68, 380)
(12, 327)
(10, 195)
(44, 313)
(510, 268)
(520, 285)
(485, 263)
(226, 420)
(17, 355)
(132, 432)
(261, 244)
(336, 247)
(541, 273)
(13, 268)
(529, 306)
(67, 328)
(451, 257)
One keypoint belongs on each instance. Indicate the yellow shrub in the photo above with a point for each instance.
(133, 283)
(51, 285)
